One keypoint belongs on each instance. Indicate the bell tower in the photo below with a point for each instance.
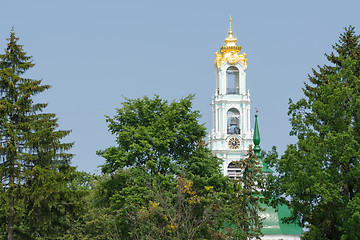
(231, 135)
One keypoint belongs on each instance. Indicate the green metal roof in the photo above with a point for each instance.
(273, 223)
(264, 167)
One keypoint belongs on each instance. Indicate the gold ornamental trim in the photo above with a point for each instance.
(224, 49)
(230, 57)
(230, 52)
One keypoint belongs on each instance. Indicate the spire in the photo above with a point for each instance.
(257, 149)
(230, 22)
(230, 40)
(256, 137)
(230, 52)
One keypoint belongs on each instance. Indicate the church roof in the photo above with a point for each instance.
(273, 224)
(265, 168)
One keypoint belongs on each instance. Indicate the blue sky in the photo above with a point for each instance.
(93, 53)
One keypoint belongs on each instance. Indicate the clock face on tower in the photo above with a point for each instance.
(234, 143)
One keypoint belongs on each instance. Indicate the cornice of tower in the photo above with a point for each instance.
(230, 52)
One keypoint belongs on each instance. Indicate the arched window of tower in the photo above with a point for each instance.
(233, 171)
(233, 121)
(232, 77)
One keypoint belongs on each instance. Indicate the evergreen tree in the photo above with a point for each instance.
(251, 184)
(241, 217)
(321, 172)
(34, 165)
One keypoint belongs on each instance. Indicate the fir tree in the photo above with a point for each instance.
(34, 165)
(321, 172)
(247, 190)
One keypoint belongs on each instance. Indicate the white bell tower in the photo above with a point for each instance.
(231, 135)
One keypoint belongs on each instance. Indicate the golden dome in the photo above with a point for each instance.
(230, 40)
(230, 52)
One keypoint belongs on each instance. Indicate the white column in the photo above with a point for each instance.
(244, 82)
(213, 118)
(222, 82)
(241, 75)
(224, 166)
(248, 110)
(217, 118)
(244, 120)
(223, 119)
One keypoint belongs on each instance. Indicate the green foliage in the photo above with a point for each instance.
(247, 197)
(153, 135)
(159, 143)
(160, 181)
(183, 215)
(34, 166)
(96, 222)
(163, 181)
(321, 172)
(242, 209)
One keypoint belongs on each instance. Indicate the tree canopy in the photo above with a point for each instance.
(321, 172)
(160, 157)
(34, 165)
(163, 181)
(160, 180)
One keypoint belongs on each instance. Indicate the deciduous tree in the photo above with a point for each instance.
(165, 183)
(159, 143)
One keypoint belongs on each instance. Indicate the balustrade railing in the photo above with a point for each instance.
(232, 91)
(233, 130)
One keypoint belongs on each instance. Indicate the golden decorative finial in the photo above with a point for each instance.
(230, 22)
(230, 40)
(230, 52)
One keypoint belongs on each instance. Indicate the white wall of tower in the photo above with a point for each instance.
(222, 102)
